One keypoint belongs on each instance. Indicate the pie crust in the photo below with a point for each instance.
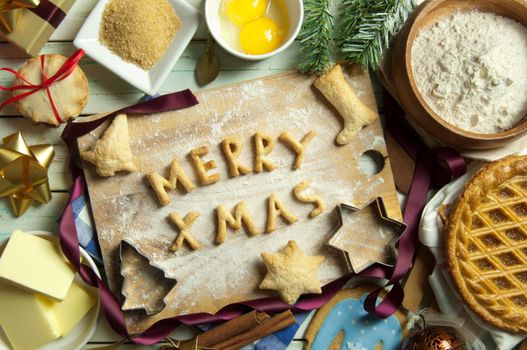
(487, 243)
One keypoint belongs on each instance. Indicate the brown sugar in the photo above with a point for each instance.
(139, 31)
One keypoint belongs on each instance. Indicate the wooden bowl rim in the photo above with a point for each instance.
(424, 12)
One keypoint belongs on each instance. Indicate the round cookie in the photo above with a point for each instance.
(69, 95)
(343, 324)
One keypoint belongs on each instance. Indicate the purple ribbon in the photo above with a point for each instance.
(49, 12)
(425, 166)
(68, 232)
(432, 168)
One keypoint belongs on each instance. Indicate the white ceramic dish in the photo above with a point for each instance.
(296, 16)
(82, 333)
(147, 81)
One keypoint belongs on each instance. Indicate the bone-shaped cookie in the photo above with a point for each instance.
(353, 111)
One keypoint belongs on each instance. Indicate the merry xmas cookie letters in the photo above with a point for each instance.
(225, 122)
(240, 216)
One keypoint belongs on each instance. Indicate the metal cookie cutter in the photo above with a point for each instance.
(366, 235)
(144, 286)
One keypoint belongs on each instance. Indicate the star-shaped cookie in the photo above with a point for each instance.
(112, 153)
(291, 273)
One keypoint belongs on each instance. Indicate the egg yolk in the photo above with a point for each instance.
(260, 36)
(241, 12)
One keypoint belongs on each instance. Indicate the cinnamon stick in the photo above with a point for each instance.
(232, 328)
(265, 328)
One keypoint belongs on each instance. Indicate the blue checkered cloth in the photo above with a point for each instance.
(281, 339)
(84, 225)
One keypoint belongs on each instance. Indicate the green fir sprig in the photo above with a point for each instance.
(368, 26)
(315, 37)
(365, 28)
(350, 17)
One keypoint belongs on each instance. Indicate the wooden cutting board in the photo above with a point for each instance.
(125, 207)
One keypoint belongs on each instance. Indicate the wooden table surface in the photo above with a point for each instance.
(108, 92)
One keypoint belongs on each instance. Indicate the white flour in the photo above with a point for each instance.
(471, 69)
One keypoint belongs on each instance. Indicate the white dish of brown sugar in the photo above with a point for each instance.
(471, 69)
(139, 40)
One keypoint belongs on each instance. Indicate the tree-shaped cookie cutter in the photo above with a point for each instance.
(369, 237)
(142, 272)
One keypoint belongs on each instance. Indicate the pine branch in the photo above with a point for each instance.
(349, 20)
(368, 27)
(315, 37)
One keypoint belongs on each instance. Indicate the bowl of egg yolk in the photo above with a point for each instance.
(254, 29)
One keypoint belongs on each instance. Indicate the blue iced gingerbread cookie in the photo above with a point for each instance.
(343, 324)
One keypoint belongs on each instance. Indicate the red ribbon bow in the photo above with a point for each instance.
(67, 68)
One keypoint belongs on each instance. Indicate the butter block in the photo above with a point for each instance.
(67, 313)
(24, 319)
(36, 264)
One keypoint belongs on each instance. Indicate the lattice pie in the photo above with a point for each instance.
(487, 243)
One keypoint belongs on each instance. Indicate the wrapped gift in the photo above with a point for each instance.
(28, 24)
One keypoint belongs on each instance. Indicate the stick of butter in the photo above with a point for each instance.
(67, 313)
(31, 320)
(24, 319)
(36, 264)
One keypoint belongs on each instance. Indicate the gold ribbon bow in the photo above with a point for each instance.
(10, 11)
(24, 172)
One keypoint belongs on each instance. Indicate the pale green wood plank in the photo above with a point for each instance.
(295, 345)
(127, 346)
(286, 60)
(104, 333)
(108, 92)
(37, 218)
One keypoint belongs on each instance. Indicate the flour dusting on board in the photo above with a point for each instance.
(125, 207)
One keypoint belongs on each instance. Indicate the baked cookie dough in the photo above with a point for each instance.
(344, 324)
(352, 110)
(291, 273)
(70, 95)
(112, 153)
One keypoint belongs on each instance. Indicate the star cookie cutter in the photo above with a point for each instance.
(366, 235)
(140, 275)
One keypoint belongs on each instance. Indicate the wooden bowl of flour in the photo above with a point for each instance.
(411, 99)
